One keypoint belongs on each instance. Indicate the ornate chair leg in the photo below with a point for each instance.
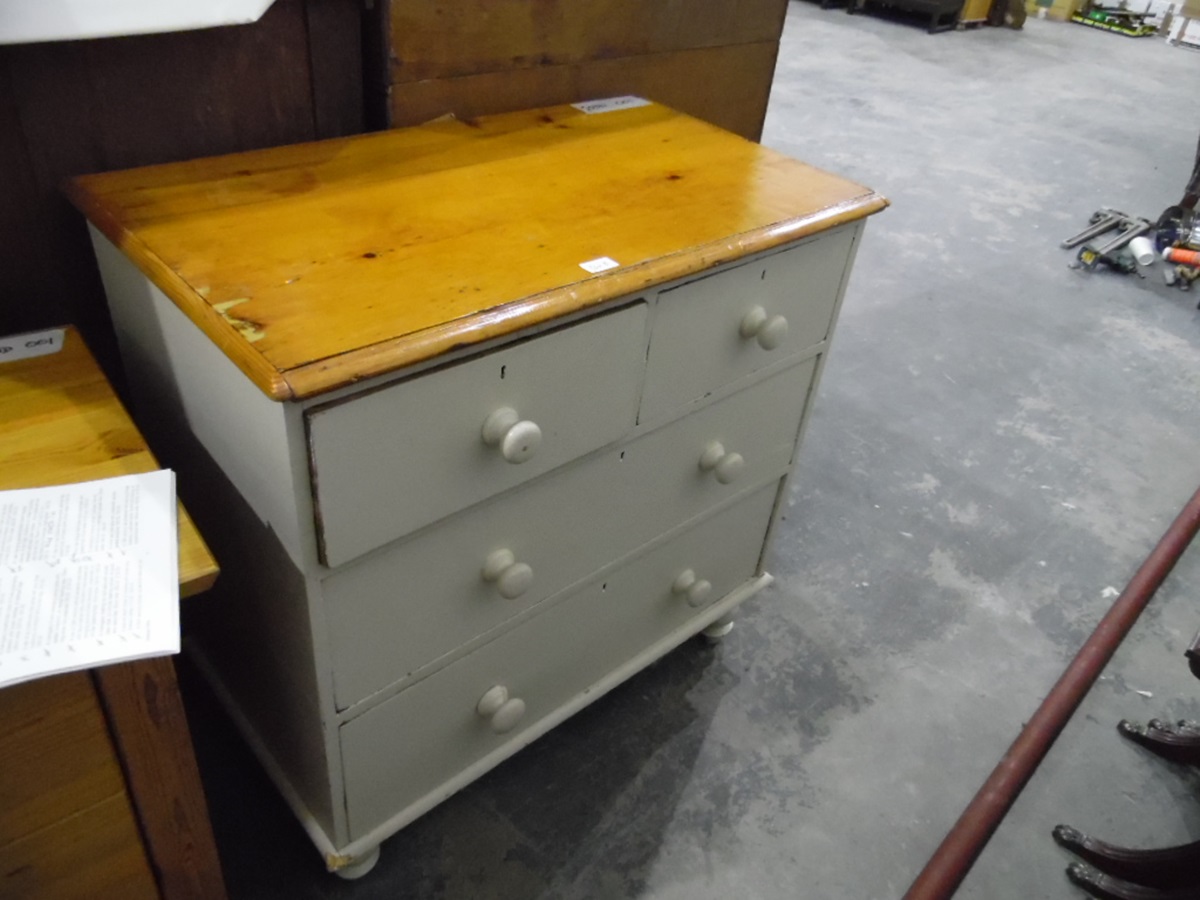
(1193, 651)
(1166, 868)
(1181, 726)
(1107, 888)
(1181, 746)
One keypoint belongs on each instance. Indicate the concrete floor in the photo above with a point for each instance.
(998, 441)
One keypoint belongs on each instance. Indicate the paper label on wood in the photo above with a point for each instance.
(599, 264)
(33, 343)
(609, 104)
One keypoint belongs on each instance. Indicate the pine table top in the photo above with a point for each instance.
(62, 424)
(316, 265)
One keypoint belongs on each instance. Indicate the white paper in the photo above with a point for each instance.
(599, 264)
(89, 574)
(71, 20)
(609, 104)
(34, 343)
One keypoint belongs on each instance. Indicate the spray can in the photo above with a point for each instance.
(1181, 256)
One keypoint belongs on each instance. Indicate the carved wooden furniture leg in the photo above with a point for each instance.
(1106, 887)
(1180, 726)
(1180, 746)
(1193, 651)
(1165, 868)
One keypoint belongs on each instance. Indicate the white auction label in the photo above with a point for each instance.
(591, 107)
(33, 343)
(599, 264)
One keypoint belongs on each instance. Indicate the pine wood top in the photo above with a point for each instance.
(62, 423)
(316, 265)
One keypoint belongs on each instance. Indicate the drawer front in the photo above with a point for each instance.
(699, 343)
(402, 750)
(400, 609)
(388, 462)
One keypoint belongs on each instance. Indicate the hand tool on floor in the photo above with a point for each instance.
(1102, 222)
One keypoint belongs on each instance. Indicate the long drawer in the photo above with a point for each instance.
(405, 748)
(400, 609)
(715, 330)
(390, 461)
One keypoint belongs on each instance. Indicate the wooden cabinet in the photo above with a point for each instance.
(500, 413)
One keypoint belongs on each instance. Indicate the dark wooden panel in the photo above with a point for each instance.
(336, 63)
(728, 86)
(453, 38)
(28, 298)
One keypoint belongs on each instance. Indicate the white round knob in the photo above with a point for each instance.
(724, 465)
(512, 578)
(768, 331)
(517, 438)
(695, 590)
(503, 711)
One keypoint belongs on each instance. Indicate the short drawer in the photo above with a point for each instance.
(715, 330)
(406, 748)
(390, 461)
(401, 608)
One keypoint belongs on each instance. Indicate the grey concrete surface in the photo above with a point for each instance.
(997, 443)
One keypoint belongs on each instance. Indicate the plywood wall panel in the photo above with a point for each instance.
(728, 86)
(453, 38)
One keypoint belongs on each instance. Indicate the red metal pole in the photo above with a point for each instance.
(952, 860)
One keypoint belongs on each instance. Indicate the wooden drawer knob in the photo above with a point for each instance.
(517, 438)
(769, 331)
(512, 578)
(502, 711)
(695, 590)
(724, 465)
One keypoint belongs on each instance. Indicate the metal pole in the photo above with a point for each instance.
(952, 860)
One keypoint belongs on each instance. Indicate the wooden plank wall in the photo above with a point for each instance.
(68, 108)
(713, 59)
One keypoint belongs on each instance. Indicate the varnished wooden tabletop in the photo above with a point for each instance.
(316, 265)
(62, 423)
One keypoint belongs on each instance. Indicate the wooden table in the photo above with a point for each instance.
(99, 791)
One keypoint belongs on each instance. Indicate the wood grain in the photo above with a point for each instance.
(727, 86)
(62, 423)
(316, 265)
(57, 757)
(66, 826)
(149, 727)
(94, 855)
(433, 39)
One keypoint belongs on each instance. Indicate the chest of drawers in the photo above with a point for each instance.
(462, 483)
